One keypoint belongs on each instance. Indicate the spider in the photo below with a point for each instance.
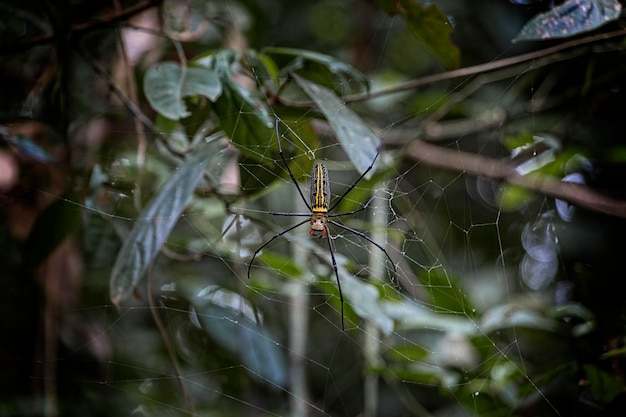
(320, 215)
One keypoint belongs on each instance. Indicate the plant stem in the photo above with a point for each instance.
(371, 343)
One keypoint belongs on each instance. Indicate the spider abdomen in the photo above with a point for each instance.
(320, 189)
(320, 200)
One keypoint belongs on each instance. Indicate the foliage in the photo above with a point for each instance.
(571, 18)
(145, 183)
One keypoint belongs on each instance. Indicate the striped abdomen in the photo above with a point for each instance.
(320, 200)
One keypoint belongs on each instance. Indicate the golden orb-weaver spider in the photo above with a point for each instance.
(320, 215)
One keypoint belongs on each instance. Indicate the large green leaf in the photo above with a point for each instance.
(411, 315)
(229, 320)
(166, 85)
(358, 140)
(569, 19)
(155, 223)
(243, 113)
(282, 263)
(604, 386)
(346, 74)
(508, 316)
(430, 26)
(244, 118)
(364, 299)
(446, 294)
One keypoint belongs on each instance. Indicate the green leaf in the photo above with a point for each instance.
(362, 297)
(569, 19)
(359, 141)
(281, 263)
(244, 118)
(166, 85)
(155, 223)
(604, 386)
(417, 373)
(346, 73)
(617, 154)
(430, 26)
(446, 295)
(409, 353)
(512, 197)
(410, 315)
(513, 316)
(521, 141)
(304, 141)
(229, 319)
(244, 115)
(265, 70)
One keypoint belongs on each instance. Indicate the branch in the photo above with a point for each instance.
(486, 67)
(500, 170)
(539, 59)
(129, 104)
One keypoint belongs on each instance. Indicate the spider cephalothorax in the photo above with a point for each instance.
(320, 212)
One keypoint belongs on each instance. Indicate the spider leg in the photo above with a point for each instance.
(366, 237)
(276, 236)
(290, 214)
(347, 213)
(354, 184)
(293, 177)
(332, 256)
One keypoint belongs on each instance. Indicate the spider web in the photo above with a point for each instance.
(437, 330)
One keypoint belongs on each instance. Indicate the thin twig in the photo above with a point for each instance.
(486, 67)
(503, 170)
(142, 143)
(167, 341)
(130, 105)
(546, 56)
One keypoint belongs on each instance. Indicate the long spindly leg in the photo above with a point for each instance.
(293, 177)
(354, 184)
(276, 236)
(273, 213)
(364, 236)
(345, 213)
(332, 256)
(348, 213)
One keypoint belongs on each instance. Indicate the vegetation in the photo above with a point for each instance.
(140, 171)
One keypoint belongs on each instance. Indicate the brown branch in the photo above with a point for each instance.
(486, 67)
(129, 104)
(105, 21)
(542, 57)
(500, 170)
